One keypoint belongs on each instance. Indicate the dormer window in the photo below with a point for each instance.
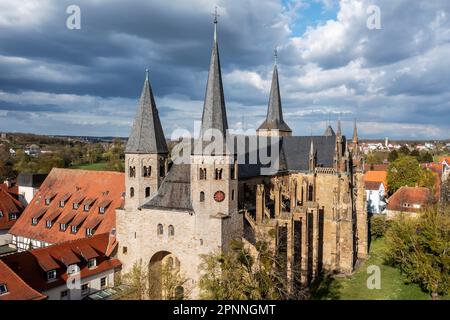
(34, 221)
(76, 206)
(92, 263)
(51, 275)
(86, 208)
(3, 288)
(12, 216)
(74, 229)
(101, 210)
(1, 213)
(48, 224)
(47, 202)
(62, 204)
(62, 227)
(89, 232)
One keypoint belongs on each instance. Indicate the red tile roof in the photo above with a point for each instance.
(32, 265)
(98, 187)
(372, 185)
(9, 203)
(376, 176)
(442, 159)
(17, 288)
(405, 198)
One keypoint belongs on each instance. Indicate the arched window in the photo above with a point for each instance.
(171, 231)
(160, 229)
(147, 192)
(131, 192)
(202, 196)
(232, 194)
(147, 171)
(132, 172)
(202, 175)
(162, 171)
(310, 193)
(218, 174)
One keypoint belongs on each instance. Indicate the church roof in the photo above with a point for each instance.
(274, 119)
(175, 190)
(147, 136)
(214, 111)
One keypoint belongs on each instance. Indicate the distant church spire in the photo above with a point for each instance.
(147, 136)
(214, 112)
(339, 131)
(355, 133)
(274, 119)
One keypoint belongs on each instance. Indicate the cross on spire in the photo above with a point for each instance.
(146, 73)
(216, 15)
(275, 55)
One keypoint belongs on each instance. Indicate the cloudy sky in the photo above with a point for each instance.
(395, 80)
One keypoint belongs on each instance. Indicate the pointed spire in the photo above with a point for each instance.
(214, 111)
(311, 148)
(312, 156)
(274, 119)
(147, 136)
(355, 133)
(339, 131)
(329, 132)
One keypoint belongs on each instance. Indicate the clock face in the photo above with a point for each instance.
(219, 196)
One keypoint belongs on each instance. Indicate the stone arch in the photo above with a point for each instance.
(160, 264)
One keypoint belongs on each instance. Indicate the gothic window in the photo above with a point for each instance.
(310, 193)
(202, 196)
(147, 171)
(147, 192)
(232, 194)
(131, 192)
(202, 174)
(160, 229)
(219, 174)
(171, 231)
(161, 170)
(132, 172)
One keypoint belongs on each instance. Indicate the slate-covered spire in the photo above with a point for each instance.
(355, 133)
(214, 112)
(312, 156)
(147, 136)
(329, 132)
(274, 119)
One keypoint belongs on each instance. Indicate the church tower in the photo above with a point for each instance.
(146, 152)
(338, 151)
(274, 124)
(214, 184)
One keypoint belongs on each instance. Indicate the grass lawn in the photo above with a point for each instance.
(101, 166)
(354, 287)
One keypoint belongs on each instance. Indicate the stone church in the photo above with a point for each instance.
(312, 203)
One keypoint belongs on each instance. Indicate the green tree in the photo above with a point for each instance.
(428, 179)
(404, 150)
(238, 274)
(378, 226)
(420, 247)
(405, 171)
(374, 158)
(425, 157)
(393, 155)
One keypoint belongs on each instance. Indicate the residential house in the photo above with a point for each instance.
(29, 184)
(12, 287)
(409, 200)
(10, 210)
(376, 190)
(67, 271)
(70, 204)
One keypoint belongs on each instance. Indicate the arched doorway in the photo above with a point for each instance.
(163, 273)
